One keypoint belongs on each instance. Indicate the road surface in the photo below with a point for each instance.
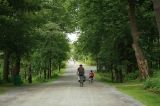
(66, 92)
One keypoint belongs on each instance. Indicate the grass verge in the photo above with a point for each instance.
(133, 88)
(55, 76)
(3, 89)
(8, 86)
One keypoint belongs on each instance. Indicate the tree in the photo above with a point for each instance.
(15, 25)
(53, 47)
(5, 20)
(141, 61)
(107, 34)
(156, 4)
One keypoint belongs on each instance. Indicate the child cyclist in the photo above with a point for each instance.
(91, 76)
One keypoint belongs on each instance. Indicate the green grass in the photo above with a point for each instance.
(137, 91)
(7, 86)
(104, 77)
(55, 76)
(133, 88)
(2, 90)
(38, 80)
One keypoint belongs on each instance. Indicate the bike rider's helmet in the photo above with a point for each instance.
(80, 65)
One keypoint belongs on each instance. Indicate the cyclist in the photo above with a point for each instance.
(80, 72)
(91, 75)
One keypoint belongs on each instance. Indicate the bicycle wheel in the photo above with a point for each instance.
(81, 81)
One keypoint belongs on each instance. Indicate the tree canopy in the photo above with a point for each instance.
(121, 36)
(33, 36)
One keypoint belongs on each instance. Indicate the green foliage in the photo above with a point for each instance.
(137, 91)
(133, 88)
(153, 84)
(52, 44)
(132, 76)
(105, 35)
(35, 32)
(17, 80)
(145, 17)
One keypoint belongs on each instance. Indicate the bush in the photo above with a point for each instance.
(1, 81)
(132, 76)
(17, 80)
(63, 65)
(38, 79)
(152, 85)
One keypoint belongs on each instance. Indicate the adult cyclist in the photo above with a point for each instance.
(80, 72)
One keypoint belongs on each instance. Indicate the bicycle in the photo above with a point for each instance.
(90, 80)
(81, 81)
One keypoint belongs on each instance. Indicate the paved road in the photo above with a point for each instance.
(66, 92)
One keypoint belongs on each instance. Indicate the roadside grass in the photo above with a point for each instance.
(54, 77)
(134, 88)
(138, 92)
(3, 89)
(8, 86)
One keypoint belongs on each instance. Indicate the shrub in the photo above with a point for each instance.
(132, 76)
(17, 80)
(1, 81)
(152, 85)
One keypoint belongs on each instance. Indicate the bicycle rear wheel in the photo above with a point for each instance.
(81, 81)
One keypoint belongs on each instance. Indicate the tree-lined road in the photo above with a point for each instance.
(66, 92)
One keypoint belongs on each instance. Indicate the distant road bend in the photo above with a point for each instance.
(66, 92)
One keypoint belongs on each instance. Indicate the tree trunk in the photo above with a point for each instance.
(120, 76)
(112, 72)
(50, 68)
(141, 61)
(17, 66)
(25, 75)
(12, 70)
(48, 73)
(6, 66)
(129, 69)
(97, 63)
(30, 74)
(156, 4)
(40, 73)
(59, 66)
(45, 74)
(159, 64)
(116, 75)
